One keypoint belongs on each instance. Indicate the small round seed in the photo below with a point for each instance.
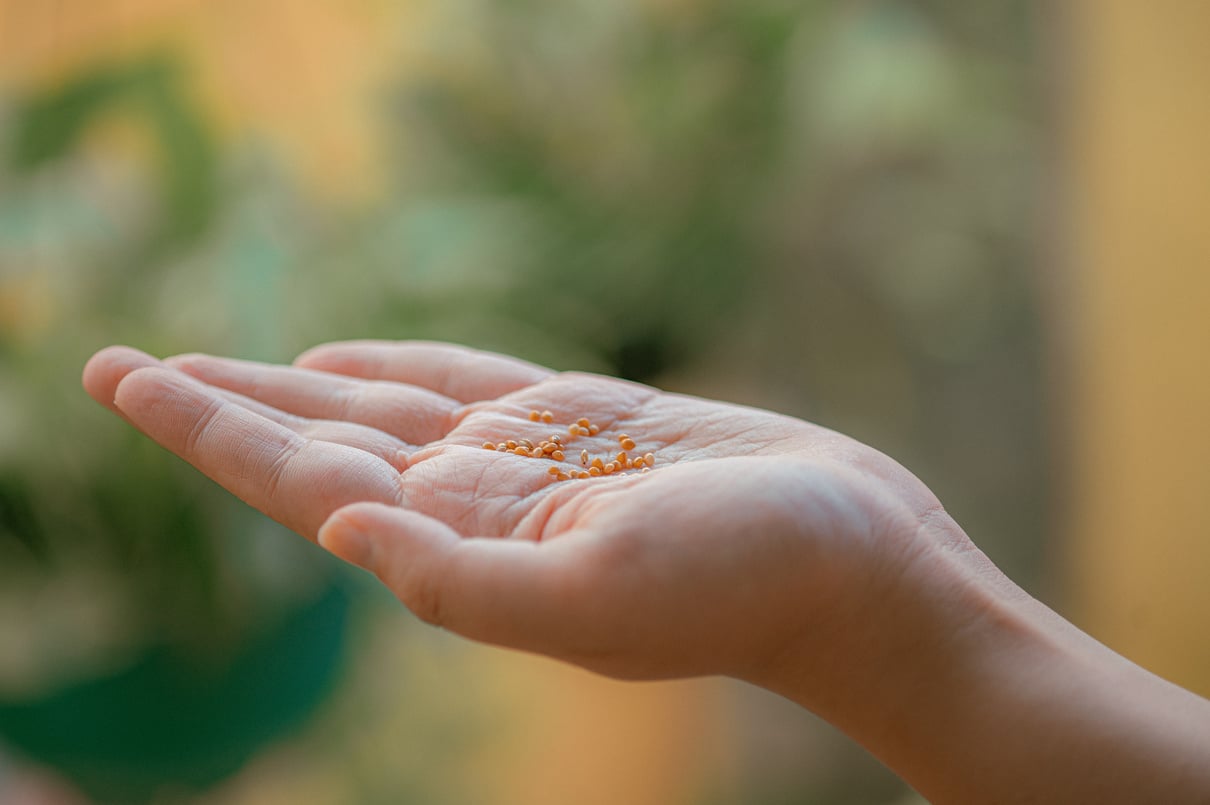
(512, 445)
(548, 447)
(649, 459)
(593, 430)
(548, 417)
(622, 437)
(583, 422)
(502, 447)
(488, 446)
(556, 438)
(596, 462)
(534, 416)
(583, 474)
(626, 442)
(611, 468)
(573, 430)
(562, 476)
(554, 470)
(621, 459)
(557, 455)
(526, 443)
(594, 471)
(520, 451)
(536, 453)
(646, 469)
(639, 462)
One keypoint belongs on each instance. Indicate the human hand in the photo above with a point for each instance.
(759, 546)
(753, 530)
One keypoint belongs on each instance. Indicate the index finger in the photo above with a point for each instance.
(465, 374)
(297, 481)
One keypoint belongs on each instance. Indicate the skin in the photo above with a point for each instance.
(760, 547)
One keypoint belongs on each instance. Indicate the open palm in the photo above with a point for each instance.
(377, 449)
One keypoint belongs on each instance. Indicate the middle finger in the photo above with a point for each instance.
(412, 414)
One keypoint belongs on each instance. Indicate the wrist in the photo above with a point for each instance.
(974, 692)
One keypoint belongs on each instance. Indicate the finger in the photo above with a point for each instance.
(465, 374)
(513, 593)
(389, 448)
(106, 369)
(413, 414)
(294, 480)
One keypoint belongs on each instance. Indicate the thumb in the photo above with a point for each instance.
(514, 593)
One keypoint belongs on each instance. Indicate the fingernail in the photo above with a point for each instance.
(346, 541)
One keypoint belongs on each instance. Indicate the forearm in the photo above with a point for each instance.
(973, 692)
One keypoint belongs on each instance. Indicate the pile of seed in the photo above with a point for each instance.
(555, 448)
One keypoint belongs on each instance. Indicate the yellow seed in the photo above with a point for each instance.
(534, 416)
(649, 459)
(593, 430)
(626, 442)
(646, 469)
(596, 462)
(557, 455)
(520, 451)
(548, 447)
(621, 459)
(562, 476)
(622, 437)
(502, 447)
(610, 468)
(548, 417)
(526, 443)
(511, 444)
(488, 446)
(554, 470)
(583, 422)
(584, 457)
(536, 453)
(573, 430)
(639, 462)
(556, 438)
(583, 474)
(594, 471)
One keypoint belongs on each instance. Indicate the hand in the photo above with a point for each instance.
(753, 531)
(759, 546)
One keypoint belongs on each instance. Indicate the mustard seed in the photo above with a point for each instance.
(626, 442)
(611, 468)
(649, 459)
(536, 453)
(593, 430)
(639, 462)
(557, 455)
(553, 470)
(598, 464)
(512, 445)
(583, 422)
(621, 458)
(534, 416)
(520, 451)
(594, 471)
(526, 443)
(488, 446)
(548, 417)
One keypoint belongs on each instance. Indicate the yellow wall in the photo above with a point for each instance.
(1138, 149)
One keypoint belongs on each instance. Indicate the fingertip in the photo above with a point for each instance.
(343, 538)
(105, 371)
(142, 389)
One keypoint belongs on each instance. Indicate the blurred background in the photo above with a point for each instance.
(973, 234)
